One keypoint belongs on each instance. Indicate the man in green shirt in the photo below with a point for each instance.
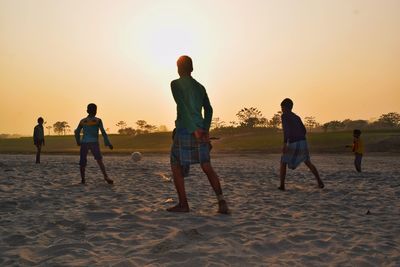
(191, 143)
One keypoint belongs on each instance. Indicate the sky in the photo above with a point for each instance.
(337, 59)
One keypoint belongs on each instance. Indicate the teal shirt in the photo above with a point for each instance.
(191, 98)
(91, 127)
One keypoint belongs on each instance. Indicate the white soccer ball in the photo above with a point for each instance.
(136, 156)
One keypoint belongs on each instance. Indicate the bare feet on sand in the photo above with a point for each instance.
(108, 180)
(179, 208)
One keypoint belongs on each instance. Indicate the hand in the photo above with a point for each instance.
(198, 133)
(111, 147)
(202, 135)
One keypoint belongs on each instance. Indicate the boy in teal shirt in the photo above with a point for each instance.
(90, 141)
(191, 142)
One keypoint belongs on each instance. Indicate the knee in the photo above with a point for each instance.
(206, 167)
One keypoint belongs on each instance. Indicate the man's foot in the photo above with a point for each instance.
(83, 181)
(108, 180)
(223, 207)
(321, 184)
(282, 188)
(179, 208)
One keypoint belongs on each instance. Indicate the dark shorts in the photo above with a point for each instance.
(187, 150)
(94, 148)
(358, 159)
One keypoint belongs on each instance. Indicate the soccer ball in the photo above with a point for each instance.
(136, 156)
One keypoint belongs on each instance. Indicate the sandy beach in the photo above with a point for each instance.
(48, 219)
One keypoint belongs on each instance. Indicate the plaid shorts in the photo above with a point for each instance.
(187, 150)
(297, 152)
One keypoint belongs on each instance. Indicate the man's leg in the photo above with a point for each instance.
(38, 150)
(357, 162)
(83, 161)
(282, 176)
(179, 182)
(103, 170)
(82, 170)
(314, 170)
(215, 184)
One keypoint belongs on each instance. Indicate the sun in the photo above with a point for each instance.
(167, 42)
(156, 39)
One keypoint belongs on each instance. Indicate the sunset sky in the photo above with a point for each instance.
(336, 59)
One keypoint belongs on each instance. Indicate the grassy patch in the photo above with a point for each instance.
(230, 140)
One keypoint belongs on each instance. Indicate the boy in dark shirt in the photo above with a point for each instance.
(295, 149)
(38, 138)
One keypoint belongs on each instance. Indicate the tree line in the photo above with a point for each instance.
(252, 118)
(142, 127)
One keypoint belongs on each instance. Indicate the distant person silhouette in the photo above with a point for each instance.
(191, 140)
(357, 148)
(295, 148)
(38, 138)
(90, 141)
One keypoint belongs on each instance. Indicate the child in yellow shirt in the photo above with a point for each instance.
(358, 149)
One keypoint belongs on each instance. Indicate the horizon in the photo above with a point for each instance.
(336, 60)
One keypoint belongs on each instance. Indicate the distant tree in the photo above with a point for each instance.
(148, 128)
(332, 125)
(217, 123)
(310, 122)
(233, 124)
(276, 120)
(162, 128)
(127, 131)
(121, 125)
(49, 127)
(141, 126)
(391, 120)
(354, 124)
(61, 127)
(250, 117)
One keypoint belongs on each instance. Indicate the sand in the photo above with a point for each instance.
(48, 219)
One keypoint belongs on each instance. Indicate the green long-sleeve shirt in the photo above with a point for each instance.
(191, 97)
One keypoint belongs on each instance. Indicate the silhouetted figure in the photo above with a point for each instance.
(90, 141)
(295, 148)
(357, 148)
(38, 138)
(191, 144)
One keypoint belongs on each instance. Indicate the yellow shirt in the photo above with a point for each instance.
(358, 145)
